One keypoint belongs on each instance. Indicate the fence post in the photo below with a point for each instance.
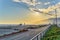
(37, 37)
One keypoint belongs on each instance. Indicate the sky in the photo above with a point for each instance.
(22, 11)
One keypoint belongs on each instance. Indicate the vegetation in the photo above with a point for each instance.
(52, 34)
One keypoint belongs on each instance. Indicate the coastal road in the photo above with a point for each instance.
(25, 35)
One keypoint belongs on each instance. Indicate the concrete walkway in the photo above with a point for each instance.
(25, 35)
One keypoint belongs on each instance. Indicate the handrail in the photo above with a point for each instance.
(41, 34)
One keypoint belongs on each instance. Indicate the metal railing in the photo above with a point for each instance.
(40, 35)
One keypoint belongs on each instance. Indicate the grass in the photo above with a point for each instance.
(52, 34)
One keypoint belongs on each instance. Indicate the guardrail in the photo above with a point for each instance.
(40, 35)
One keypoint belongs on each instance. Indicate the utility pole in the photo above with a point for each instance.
(56, 16)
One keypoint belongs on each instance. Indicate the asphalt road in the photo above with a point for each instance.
(25, 35)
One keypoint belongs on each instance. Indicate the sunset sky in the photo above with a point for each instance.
(21, 11)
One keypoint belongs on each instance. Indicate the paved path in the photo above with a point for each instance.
(25, 35)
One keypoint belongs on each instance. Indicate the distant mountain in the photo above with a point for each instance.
(54, 19)
(46, 21)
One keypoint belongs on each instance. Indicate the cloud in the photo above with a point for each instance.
(34, 16)
(35, 2)
(16, 0)
(59, 3)
(46, 11)
(47, 3)
(29, 2)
